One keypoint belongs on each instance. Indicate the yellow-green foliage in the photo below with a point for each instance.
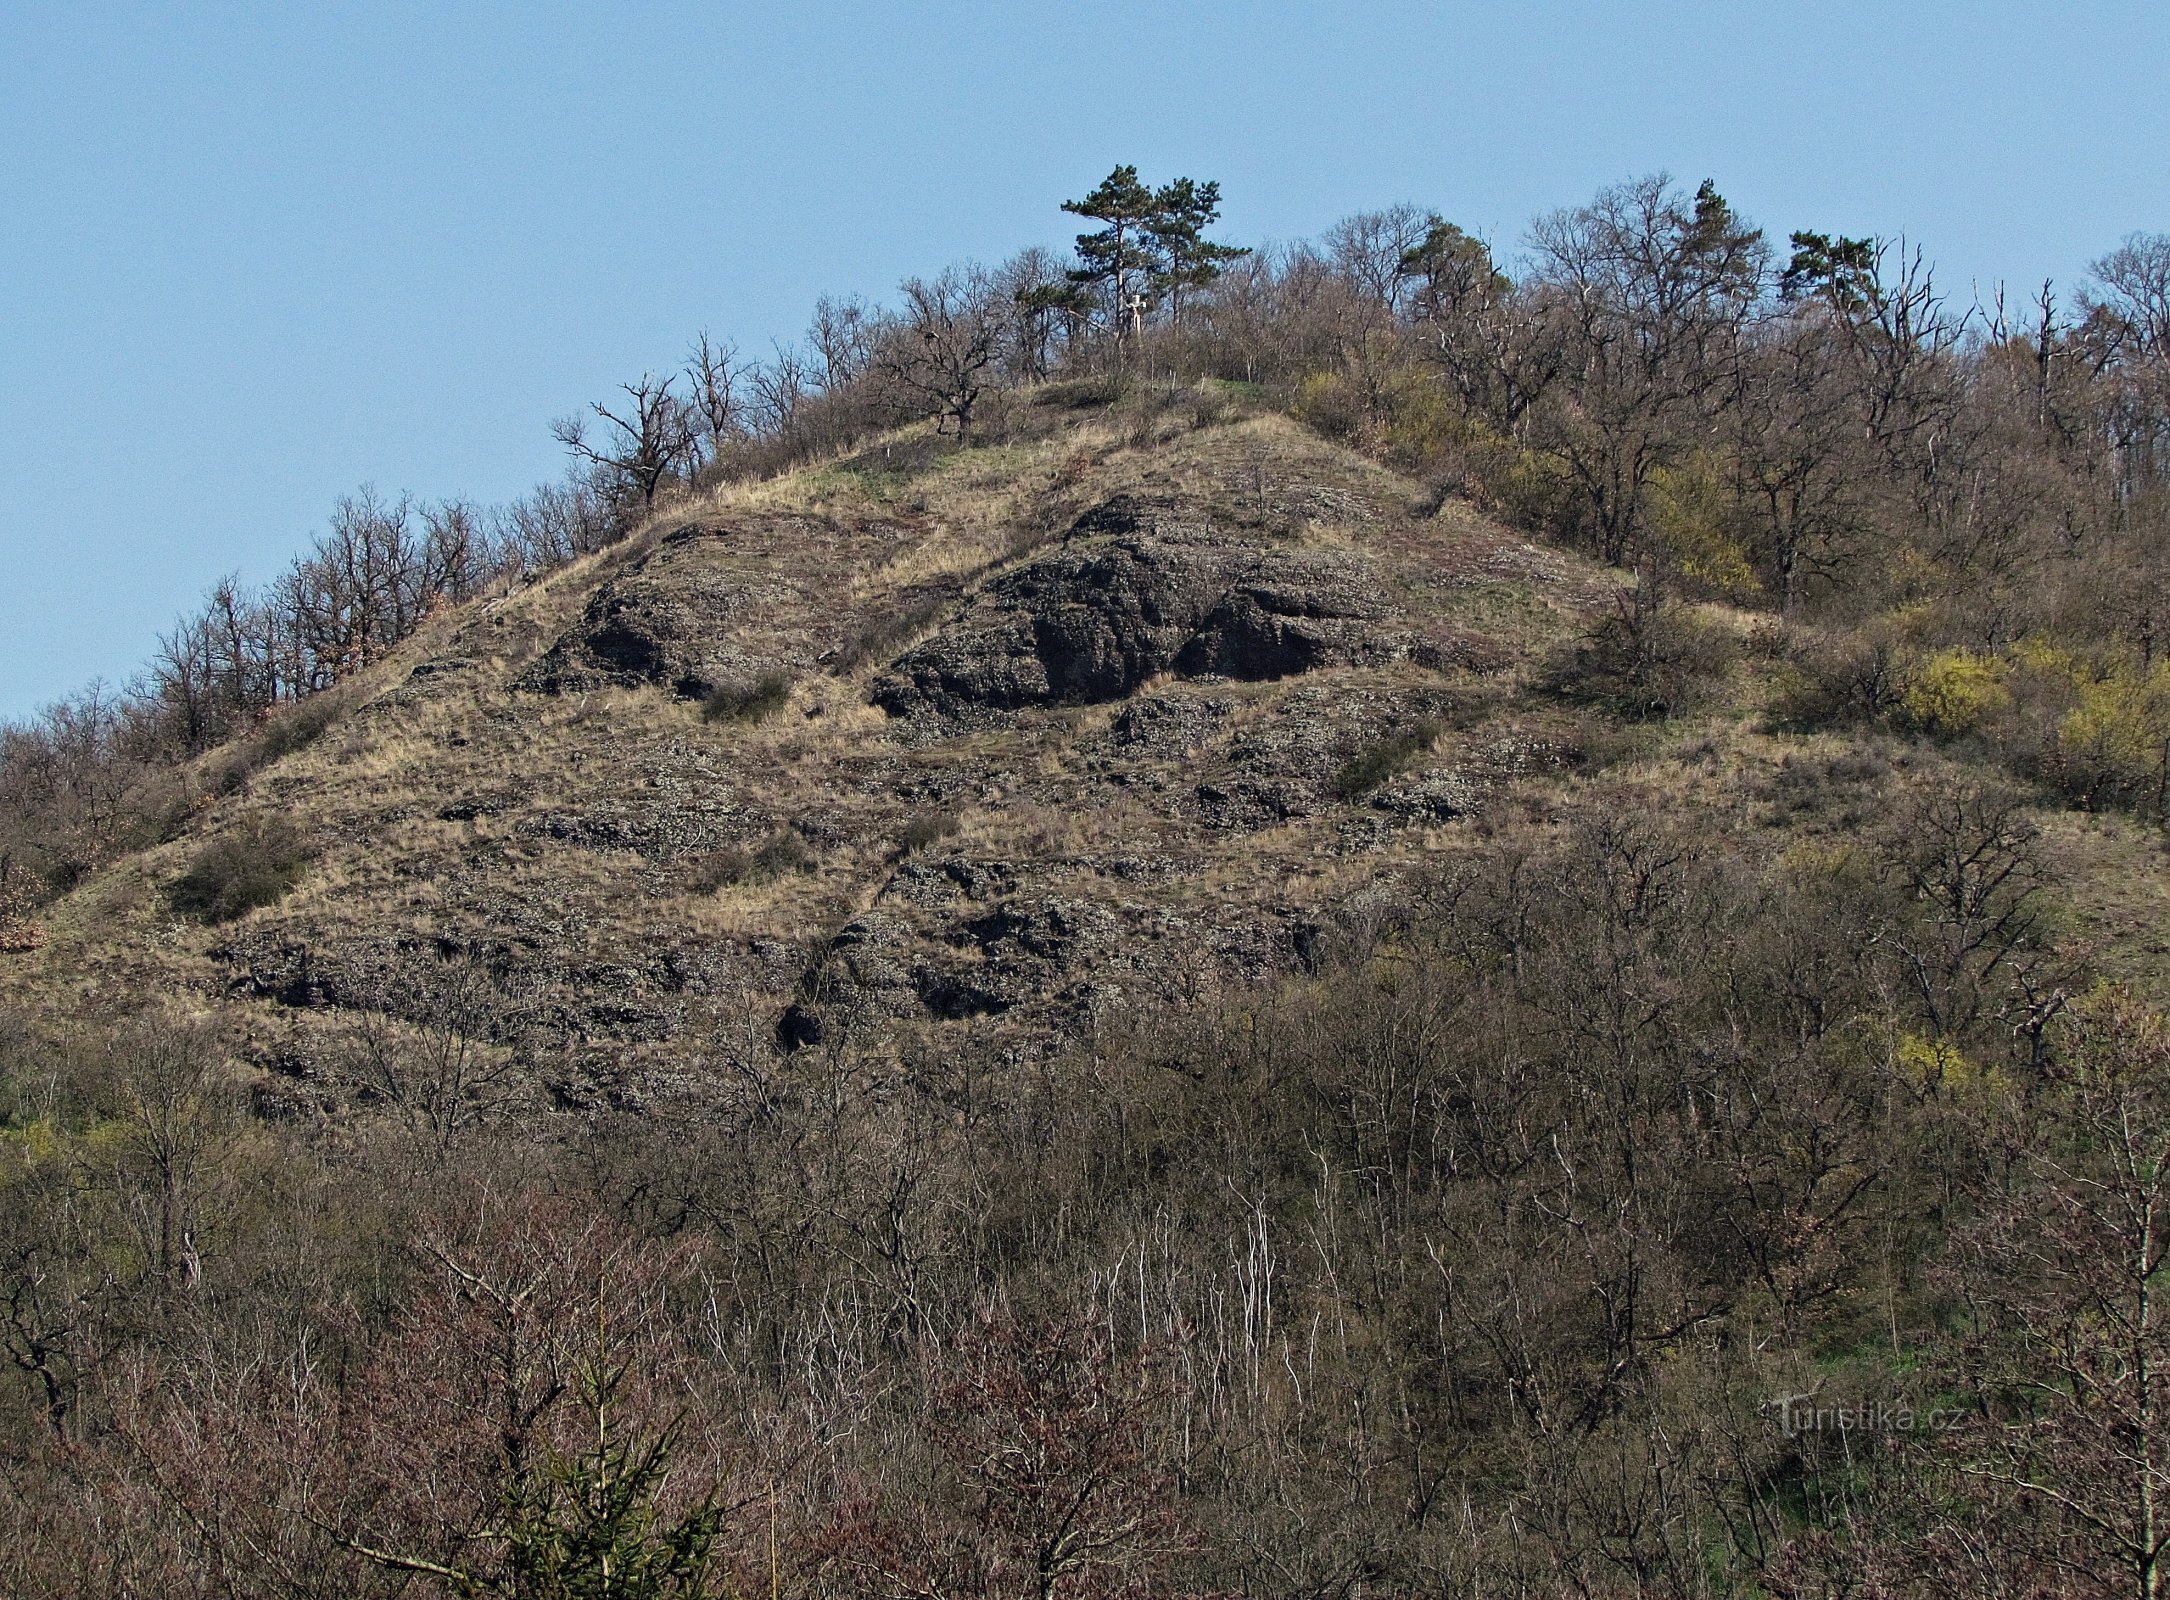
(41, 1142)
(1378, 395)
(2099, 730)
(1328, 402)
(2104, 727)
(2118, 735)
(2039, 658)
(1955, 691)
(32, 1144)
(1693, 512)
(1938, 1066)
(1529, 488)
(1423, 423)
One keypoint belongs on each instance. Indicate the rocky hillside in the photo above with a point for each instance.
(1158, 919)
(999, 740)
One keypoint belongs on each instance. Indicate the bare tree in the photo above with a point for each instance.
(554, 524)
(842, 334)
(1370, 248)
(1654, 290)
(2135, 290)
(443, 1076)
(654, 436)
(163, 1088)
(943, 349)
(1050, 312)
(457, 555)
(781, 388)
(2055, 1459)
(1500, 345)
(1797, 431)
(715, 373)
(1969, 862)
(1048, 1432)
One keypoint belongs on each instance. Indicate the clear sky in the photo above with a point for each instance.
(254, 256)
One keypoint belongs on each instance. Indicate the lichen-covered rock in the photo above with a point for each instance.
(1172, 724)
(19, 936)
(1428, 798)
(710, 606)
(674, 617)
(1295, 611)
(859, 976)
(1077, 628)
(950, 957)
(1084, 627)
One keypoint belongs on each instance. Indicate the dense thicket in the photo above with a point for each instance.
(1531, 1245)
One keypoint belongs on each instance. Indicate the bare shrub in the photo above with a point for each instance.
(884, 636)
(747, 702)
(256, 865)
(780, 854)
(925, 829)
(1382, 758)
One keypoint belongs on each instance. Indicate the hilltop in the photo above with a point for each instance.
(1019, 740)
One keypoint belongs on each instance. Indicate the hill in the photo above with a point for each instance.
(1383, 930)
(1059, 729)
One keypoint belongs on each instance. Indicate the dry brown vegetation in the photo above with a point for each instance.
(1357, 946)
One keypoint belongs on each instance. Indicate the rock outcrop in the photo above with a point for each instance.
(1085, 626)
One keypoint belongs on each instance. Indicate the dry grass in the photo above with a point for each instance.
(1047, 792)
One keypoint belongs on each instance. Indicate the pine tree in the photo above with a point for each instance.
(1154, 244)
(1841, 270)
(588, 1526)
(1183, 211)
(1125, 250)
(1456, 271)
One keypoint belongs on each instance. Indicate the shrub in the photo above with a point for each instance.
(298, 726)
(1328, 403)
(747, 702)
(1081, 394)
(1647, 660)
(783, 851)
(1381, 759)
(291, 728)
(925, 829)
(1954, 692)
(1835, 682)
(2115, 741)
(1692, 511)
(254, 866)
(896, 462)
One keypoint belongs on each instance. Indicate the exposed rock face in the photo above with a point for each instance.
(669, 620)
(1294, 611)
(1083, 627)
(1074, 629)
(935, 957)
(1170, 725)
(713, 605)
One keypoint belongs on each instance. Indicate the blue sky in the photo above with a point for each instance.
(254, 256)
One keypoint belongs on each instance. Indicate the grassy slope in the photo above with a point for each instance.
(568, 832)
